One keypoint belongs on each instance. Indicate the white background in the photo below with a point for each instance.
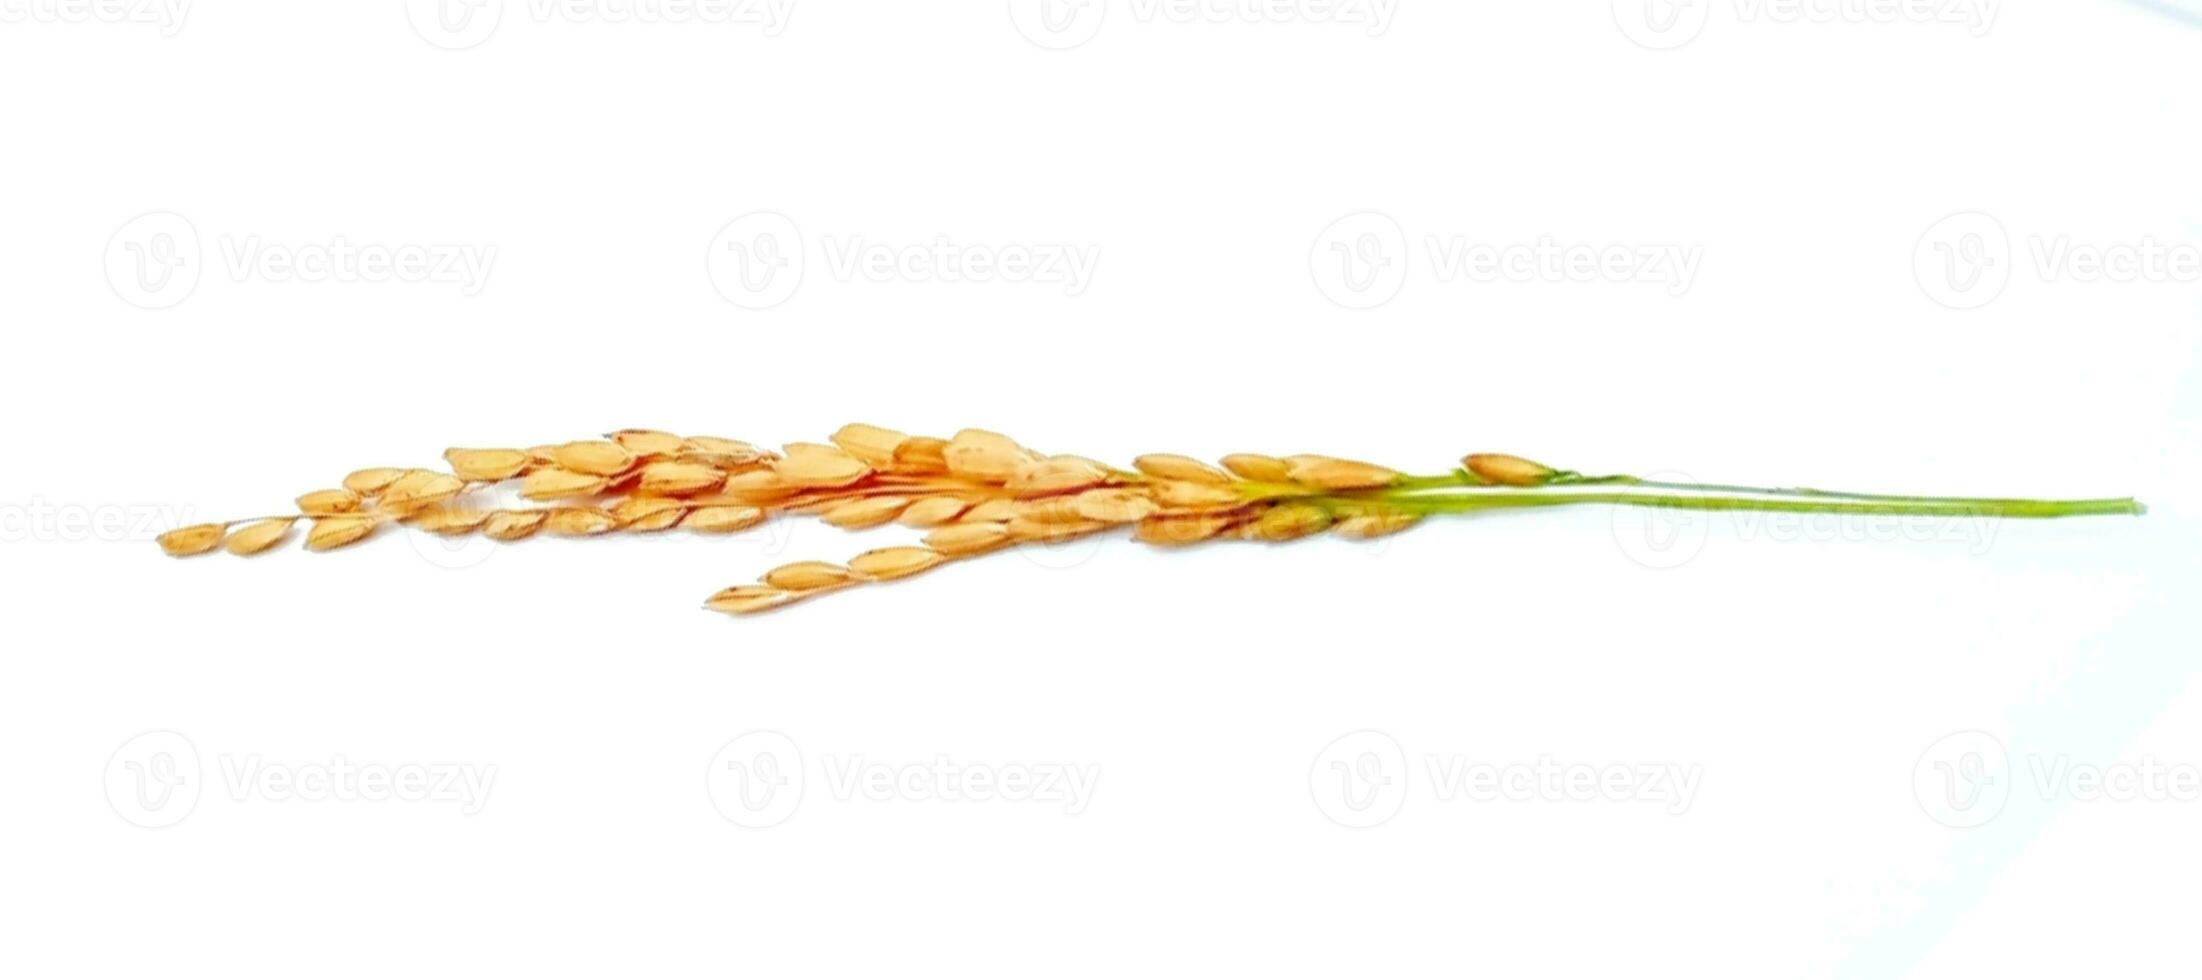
(1807, 677)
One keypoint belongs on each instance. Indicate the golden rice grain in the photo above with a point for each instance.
(579, 522)
(967, 539)
(1260, 469)
(328, 502)
(757, 487)
(722, 519)
(1184, 529)
(655, 522)
(750, 599)
(1185, 493)
(803, 576)
(989, 457)
(487, 465)
(1377, 524)
(1027, 529)
(552, 483)
(648, 513)
(1114, 505)
(990, 512)
(649, 442)
(1170, 466)
(1055, 474)
(865, 511)
(1050, 510)
(1512, 471)
(870, 443)
(594, 456)
(368, 482)
(420, 488)
(680, 478)
(931, 511)
(814, 505)
(1330, 473)
(198, 539)
(259, 536)
(921, 455)
(330, 533)
(819, 466)
(1288, 521)
(448, 520)
(513, 525)
(887, 564)
(724, 452)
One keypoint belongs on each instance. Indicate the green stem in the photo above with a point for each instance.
(1463, 503)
